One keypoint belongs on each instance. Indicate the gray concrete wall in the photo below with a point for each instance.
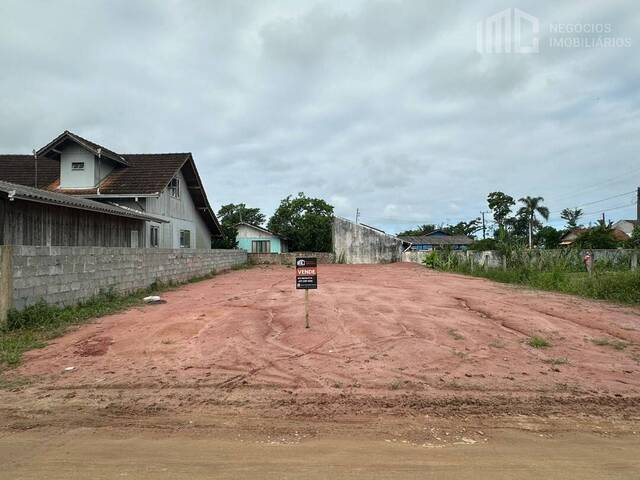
(289, 258)
(354, 243)
(68, 275)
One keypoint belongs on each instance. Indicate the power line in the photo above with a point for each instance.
(616, 179)
(599, 201)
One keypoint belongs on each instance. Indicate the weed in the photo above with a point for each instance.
(497, 344)
(538, 342)
(556, 361)
(608, 342)
(456, 336)
(395, 384)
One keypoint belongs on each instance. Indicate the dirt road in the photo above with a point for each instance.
(114, 453)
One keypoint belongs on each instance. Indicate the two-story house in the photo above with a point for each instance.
(163, 185)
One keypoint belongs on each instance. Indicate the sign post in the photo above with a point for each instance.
(306, 279)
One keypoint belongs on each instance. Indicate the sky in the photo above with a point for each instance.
(386, 106)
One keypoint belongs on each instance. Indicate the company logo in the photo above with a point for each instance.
(300, 263)
(509, 31)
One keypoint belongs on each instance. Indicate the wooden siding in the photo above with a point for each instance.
(29, 223)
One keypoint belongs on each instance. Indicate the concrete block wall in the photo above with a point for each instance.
(289, 258)
(355, 243)
(67, 275)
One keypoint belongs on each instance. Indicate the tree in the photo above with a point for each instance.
(229, 216)
(548, 237)
(600, 237)
(572, 216)
(634, 241)
(305, 222)
(500, 205)
(531, 207)
(419, 230)
(464, 228)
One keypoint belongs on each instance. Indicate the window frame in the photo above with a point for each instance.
(77, 166)
(185, 238)
(256, 249)
(174, 187)
(154, 236)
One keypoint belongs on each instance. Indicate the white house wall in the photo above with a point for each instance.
(183, 216)
(76, 178)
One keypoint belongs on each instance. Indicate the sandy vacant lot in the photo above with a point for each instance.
(403, 372)
(376, 332)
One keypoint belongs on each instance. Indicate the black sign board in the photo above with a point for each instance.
(306, 273)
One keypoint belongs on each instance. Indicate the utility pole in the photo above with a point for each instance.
(357, 215)
(638, 205)
(484, 227)
(604, 220)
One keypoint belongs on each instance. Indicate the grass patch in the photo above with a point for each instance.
(538, 342)
(396, 384)
(455, 335)
(556, 361)
(35, 325)
(608, 342)
(497, 344)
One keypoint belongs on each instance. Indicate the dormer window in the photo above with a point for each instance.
(77, 166)
(174, 187)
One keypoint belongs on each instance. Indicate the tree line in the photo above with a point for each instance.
(522, 223)
(304, 221)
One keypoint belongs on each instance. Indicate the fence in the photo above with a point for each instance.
(357, 243)
(288, 258)
(68, 275)
(619, 259)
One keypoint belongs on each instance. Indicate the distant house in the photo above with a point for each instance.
(31, 216)
(437, 240)
(570, 237)
(165, 186)
(626, 226)
(256, 239)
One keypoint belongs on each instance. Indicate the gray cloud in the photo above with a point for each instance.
(382, 105)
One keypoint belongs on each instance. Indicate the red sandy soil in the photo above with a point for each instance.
(380, 335)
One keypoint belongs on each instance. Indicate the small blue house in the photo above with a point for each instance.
(254, 239)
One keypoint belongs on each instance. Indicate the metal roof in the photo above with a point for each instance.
(438, 240)
(30, 194)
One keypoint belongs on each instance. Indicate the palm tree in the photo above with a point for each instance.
(532, 206)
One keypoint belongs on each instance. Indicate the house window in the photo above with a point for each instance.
(261, 246)
(185, 239)
(154, 236)
(77, 165)
(174, 187)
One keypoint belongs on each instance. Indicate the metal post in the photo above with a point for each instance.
(306, 309)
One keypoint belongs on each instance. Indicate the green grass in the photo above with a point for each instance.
(538, 342)
(34, 326)
(615, 286)
(608, 342)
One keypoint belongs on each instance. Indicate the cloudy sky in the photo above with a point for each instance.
(385, 106)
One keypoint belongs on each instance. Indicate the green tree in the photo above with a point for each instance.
(229, 216)
(634, 241)
(548, 237)
(532, 206)
(572, 216)
(600, 237)
(305, 222)
(464, 228)
(500, 205)
(419, 230)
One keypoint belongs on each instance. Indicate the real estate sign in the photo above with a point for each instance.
(306, 273)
